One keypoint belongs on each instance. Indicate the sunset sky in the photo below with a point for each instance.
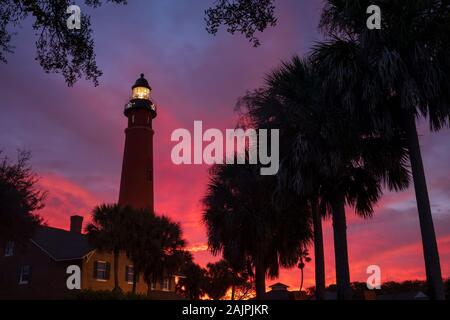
(76, 135)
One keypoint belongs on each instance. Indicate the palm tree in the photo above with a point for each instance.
(154, 244)
(135, 224)
(395, 75)
(304, 258)
(221, 277)
(243, 223)
(107, 232)
(193, 285)
(329, 156)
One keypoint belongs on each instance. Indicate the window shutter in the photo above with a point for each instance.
(95, 269)
(108, 269)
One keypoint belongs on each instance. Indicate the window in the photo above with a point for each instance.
(141, 93)
(153, 285)
(101, 270)
(165, 285)
(129, 274)
(25, 273)
(9, 248)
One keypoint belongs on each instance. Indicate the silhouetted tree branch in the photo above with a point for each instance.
(59, 50)
(19, 199)
(243, 16)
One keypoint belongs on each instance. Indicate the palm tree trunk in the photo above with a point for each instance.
(233, 291)
(301, 280)
(430, 248)
(319, 256)
(344, 291)
(116, 270)
(260, 279)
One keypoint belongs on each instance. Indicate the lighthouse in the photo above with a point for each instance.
(136, 183)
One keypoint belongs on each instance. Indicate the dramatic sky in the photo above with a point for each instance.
(76, 135)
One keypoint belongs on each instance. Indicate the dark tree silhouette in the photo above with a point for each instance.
(247, 227)
(153, 243)
(244, 16)
(193, 283)
(303, 260)
(71, 52)
(221, 277)
(59, 50)
(160, 252)
(19, 199)
(396, 74)
(107, 232)
(327, 153)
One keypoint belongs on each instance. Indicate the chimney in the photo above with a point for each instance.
(76, 224)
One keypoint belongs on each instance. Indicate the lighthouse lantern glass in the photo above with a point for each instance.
(141, 93)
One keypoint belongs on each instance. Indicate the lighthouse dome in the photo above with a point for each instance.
(141, 82)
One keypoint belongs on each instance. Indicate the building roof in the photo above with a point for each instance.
(279, 286)
(279, 292)
(60, 244)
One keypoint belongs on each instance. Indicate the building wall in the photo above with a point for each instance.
(89, 280)
(48, 278)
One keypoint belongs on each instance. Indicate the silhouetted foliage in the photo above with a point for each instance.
(394, 75)
(59, 50)
(153, 243)
(107, 232)
(243, 16)
(303, 260)
(93, 295)
(19, 199)
(193, 283)
(247, 228)
(71, 52)
(326, 153)
(222, 278)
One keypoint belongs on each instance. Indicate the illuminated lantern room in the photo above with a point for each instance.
(141, 93)
(140, 97)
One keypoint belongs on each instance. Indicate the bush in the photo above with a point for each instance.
(105, 295)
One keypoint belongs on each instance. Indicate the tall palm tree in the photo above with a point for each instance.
(107, 232)
(135, 224)
(245, 226)
(395, 74)
(304, 258)
(329, 156)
